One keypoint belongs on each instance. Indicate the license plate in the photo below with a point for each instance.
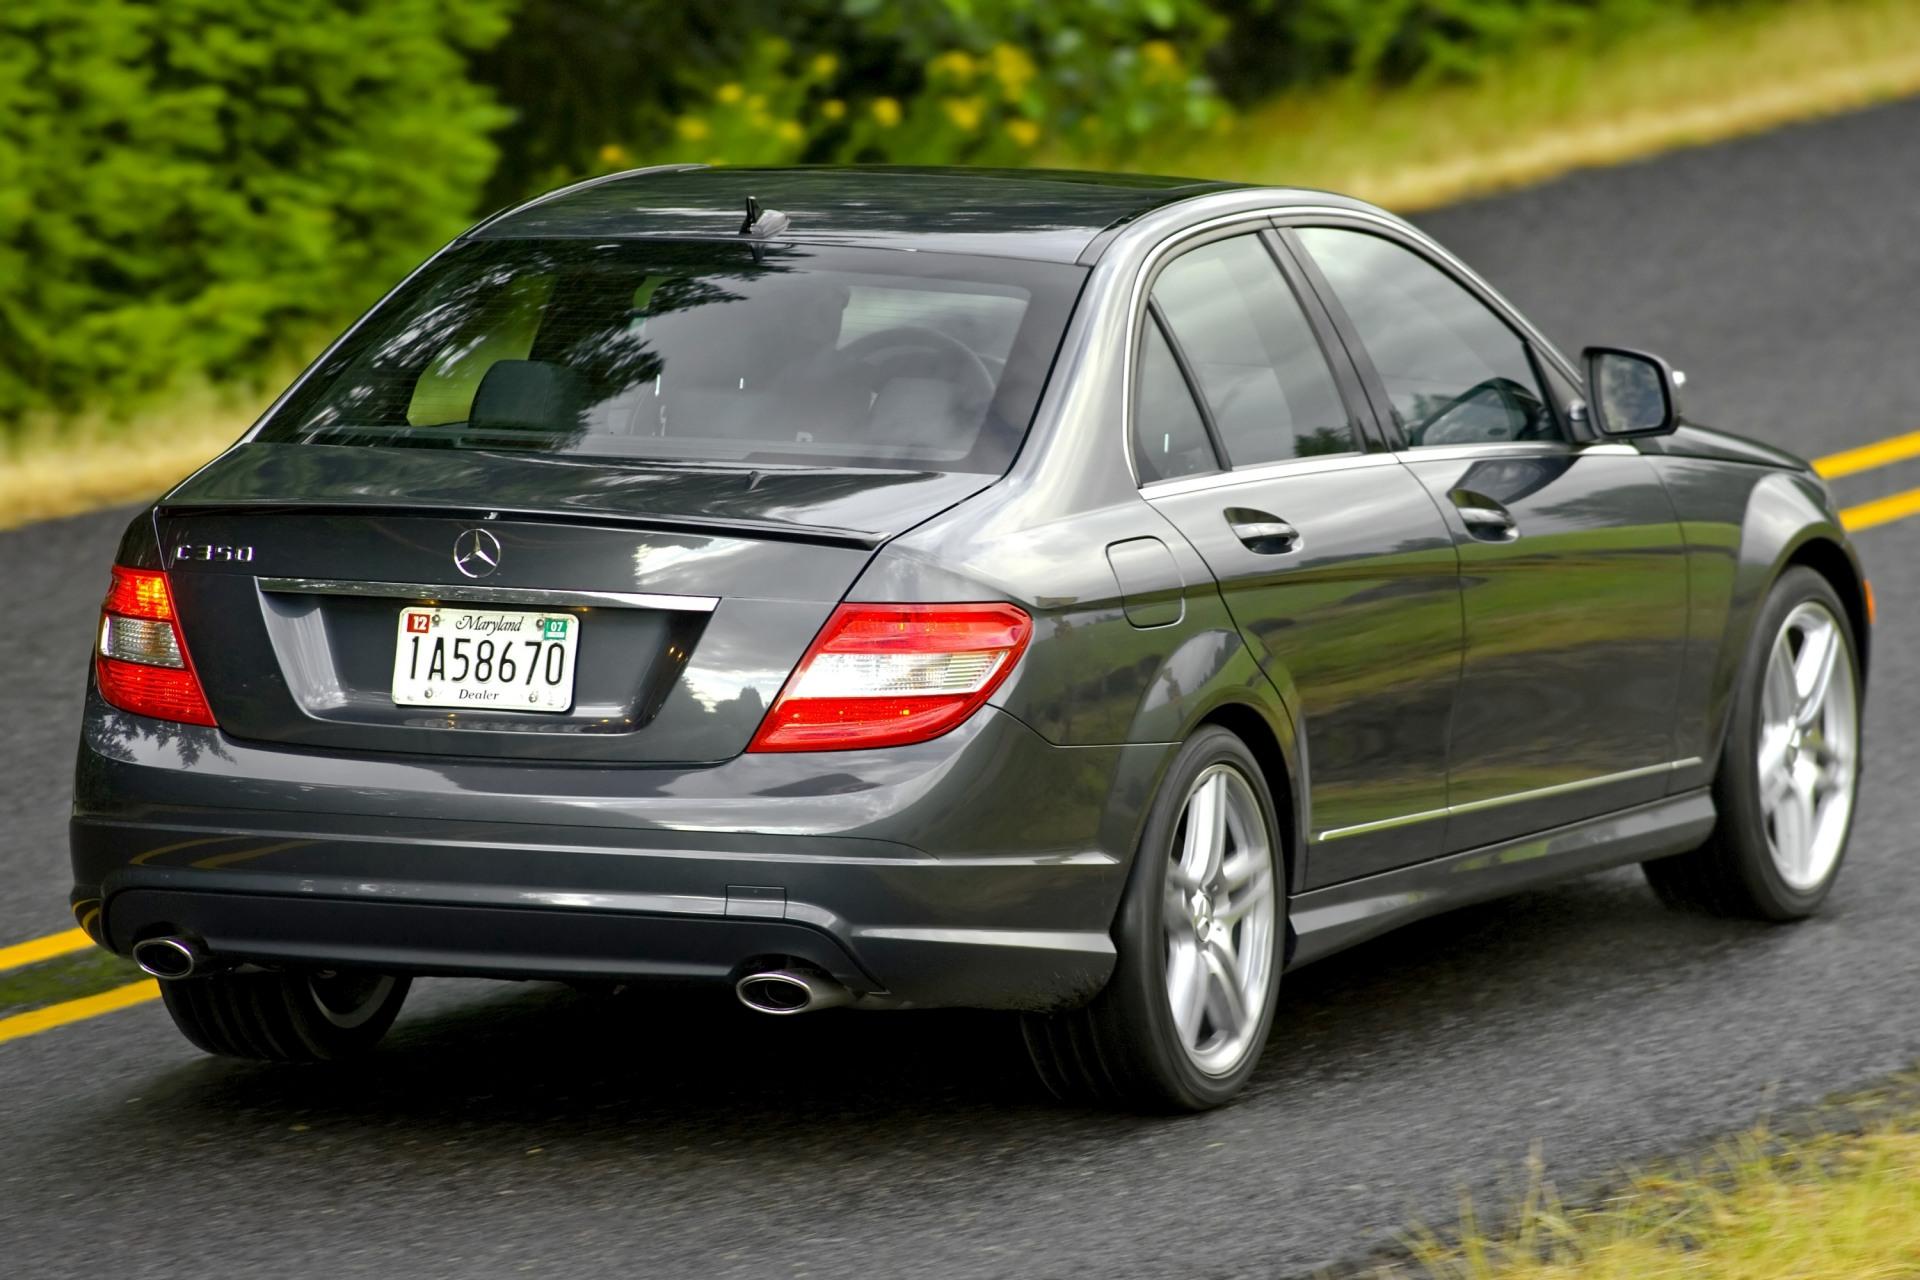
(497, 659)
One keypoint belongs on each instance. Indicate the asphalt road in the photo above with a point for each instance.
(509, 1130)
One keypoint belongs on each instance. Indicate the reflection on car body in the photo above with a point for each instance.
(1076, 596)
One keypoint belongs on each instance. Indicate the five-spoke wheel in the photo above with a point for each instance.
(1218, 910)
(1790, 768)
(1809, 730)
(1200, 942)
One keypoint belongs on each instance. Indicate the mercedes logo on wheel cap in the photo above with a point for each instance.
(476, 553)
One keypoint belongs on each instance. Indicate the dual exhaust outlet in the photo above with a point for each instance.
(171, 959)
(796, 988)
(782, 991)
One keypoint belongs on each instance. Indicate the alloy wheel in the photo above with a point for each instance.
(1808, 754)
(1218, 908)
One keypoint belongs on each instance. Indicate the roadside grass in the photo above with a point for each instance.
(1840, 1202)
(1685, 79)
(60, 467)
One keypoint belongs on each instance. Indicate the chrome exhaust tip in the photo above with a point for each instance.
(785, 991)
(169, 959)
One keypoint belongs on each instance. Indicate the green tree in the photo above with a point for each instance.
(187, 186)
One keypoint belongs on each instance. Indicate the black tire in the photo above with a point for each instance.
(1734, 872)
(295, 1017)
(1123, 1048)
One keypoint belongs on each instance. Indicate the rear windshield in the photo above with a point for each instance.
(698, 352)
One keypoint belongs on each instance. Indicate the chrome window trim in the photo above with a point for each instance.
(1254, 220)
(1305, 214)
(1289, 215)
(1320, 465)
(538, 597)
(1517, 797)
(1515, 449)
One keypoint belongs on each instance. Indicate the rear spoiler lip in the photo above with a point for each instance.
(824, 535)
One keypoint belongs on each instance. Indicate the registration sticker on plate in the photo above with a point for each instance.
(500, 659)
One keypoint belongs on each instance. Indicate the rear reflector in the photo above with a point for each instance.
(141, 662)
(882, 675)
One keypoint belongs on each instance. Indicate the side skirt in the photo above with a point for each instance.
(1327, 920)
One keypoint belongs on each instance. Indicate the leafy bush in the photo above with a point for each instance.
(896, 81)
(189, 186)
(1283, 44)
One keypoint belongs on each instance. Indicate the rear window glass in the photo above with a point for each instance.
(698, 352)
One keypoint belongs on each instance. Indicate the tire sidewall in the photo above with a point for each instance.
(1139, 983)
(1737, 786)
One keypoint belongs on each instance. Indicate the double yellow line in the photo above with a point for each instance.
(1881, 453)
(34, 1021)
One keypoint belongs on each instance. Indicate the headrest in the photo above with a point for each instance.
(529, 395)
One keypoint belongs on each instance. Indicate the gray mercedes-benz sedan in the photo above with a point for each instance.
(1083, 595)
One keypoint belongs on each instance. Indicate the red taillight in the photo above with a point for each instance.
(881, 675)
(140, 659)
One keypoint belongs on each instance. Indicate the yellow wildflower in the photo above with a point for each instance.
(789, 131)
(729, 93)
(1013, 68)
(954, 64)
(825, 64)
(613, 153)
(833, 109)
(1023, 132)
(1162, 61)
(1160, 53)
(692, 128)
(886, 112)
(964, 112)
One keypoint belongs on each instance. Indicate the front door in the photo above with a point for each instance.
(1334, 562)
(1573, 571)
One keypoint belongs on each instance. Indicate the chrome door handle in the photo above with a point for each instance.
(1488, 522)
(1268, 537)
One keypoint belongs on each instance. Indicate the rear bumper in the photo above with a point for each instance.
(982, 869)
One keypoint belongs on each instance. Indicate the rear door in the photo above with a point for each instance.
(1573, 570)
(1332, 558)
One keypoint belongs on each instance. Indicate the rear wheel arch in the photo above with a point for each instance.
(1252, 727)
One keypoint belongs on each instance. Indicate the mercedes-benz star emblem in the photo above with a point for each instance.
(476, 553)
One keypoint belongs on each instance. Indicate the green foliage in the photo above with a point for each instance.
(187, 187)
(1283, 44)
(892, 81)
(192, 189)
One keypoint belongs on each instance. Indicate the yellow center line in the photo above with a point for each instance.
(34, 1021)
(1881, 453)
(57, 944)
(1881, 511)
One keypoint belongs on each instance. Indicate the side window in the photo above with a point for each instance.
(1256, 359)
(1169, 437)
(1456, 373)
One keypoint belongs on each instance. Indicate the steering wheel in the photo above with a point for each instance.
(914, 350)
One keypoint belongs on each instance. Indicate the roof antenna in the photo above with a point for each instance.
(761, 223)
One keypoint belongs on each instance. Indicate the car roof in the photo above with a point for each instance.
(1042, 214)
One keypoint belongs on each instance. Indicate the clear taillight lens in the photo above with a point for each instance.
(882, 675)
(140, 660)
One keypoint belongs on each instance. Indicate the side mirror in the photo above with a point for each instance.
(1631, 393)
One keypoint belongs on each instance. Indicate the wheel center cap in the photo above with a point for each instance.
(1201, 908)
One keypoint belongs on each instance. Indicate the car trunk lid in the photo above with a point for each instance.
(695, 590)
